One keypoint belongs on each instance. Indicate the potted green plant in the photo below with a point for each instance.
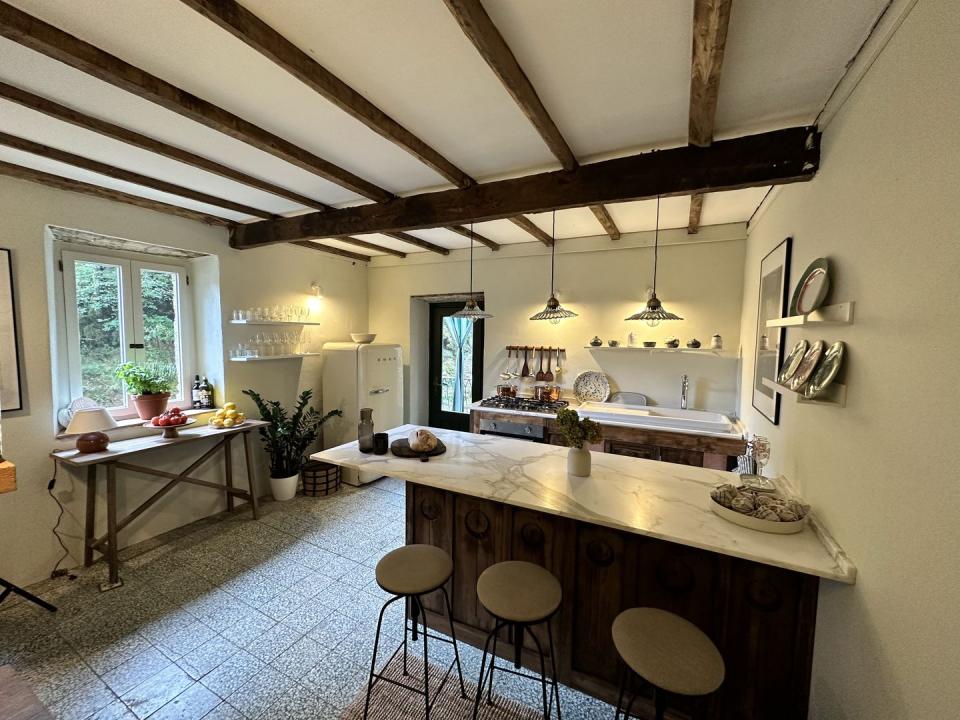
(286, 438)
(150, 384)
(576, 433)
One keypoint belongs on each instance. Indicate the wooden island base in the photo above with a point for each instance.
(762, 618)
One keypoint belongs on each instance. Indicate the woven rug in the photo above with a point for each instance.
(389, 702)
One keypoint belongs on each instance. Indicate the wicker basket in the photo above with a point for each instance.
(320, 478)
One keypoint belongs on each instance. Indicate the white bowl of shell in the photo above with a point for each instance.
(759, 511)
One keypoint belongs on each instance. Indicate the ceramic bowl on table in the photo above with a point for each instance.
(170, 432)
(363, 338)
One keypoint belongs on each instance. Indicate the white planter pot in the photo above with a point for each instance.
(578, 462)
(284, 488)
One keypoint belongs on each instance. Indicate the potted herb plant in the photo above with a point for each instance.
(287, 437)
(150, 385)
(576, 433)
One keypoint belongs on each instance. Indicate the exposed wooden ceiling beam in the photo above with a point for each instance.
(467, 233)
(479, 28)
(696, 207)
(711, 19)
(62, 183)
(369, 245)
(247, 27)
(603, 217)
(332, 250)
(527, 224)
(481, 31)
(69, 115)
(68, 158)
(413, 240)
(59, 45)
(772, 158)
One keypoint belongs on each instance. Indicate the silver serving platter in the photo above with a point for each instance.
(826, 371)
(792, 363)
(807, 365)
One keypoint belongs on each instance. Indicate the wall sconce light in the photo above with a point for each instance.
(316, 295)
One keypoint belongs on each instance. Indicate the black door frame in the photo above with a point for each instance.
(437, 417)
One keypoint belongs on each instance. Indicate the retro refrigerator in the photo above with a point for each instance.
(361, 376)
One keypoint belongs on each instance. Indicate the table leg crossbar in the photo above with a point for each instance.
(108, 542)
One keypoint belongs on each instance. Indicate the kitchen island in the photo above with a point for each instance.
(637, 532)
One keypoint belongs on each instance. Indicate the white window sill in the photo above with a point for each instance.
(136, 422)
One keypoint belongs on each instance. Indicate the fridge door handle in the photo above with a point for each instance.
(379, 391)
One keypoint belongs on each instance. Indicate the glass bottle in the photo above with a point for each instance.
(195, 392)
(365, 430)
(206, 394)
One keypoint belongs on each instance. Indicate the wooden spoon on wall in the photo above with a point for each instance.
(548, 375)
(540, 374)
(526, 369)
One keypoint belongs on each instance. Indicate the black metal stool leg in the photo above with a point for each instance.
(9, 587)
(553, 666)
(406, 603)
(543, 673)
(453, 636)
(426, 659)
(493, 665)
(373, 660)
(483, 667)
(623, 688)
(659, 703)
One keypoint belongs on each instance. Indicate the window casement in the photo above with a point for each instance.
(117, 310)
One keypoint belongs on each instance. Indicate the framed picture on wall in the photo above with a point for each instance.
(772, 304)
(11, 397)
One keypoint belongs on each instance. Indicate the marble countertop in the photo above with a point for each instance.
(662, 500)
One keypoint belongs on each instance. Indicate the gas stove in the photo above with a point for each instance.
(524, 404)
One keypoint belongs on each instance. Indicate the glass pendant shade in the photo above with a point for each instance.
(471, 310)
(653, 313)
(553, 310)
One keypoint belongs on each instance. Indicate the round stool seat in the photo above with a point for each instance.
(668, 651)
(519, 591)
(414, 569)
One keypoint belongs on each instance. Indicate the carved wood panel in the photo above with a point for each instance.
(430, 522)
(479, 542)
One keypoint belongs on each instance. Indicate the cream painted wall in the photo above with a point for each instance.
(274, 275)
(700, 279)
(882, 472)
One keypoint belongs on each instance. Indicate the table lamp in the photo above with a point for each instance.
(89, 426)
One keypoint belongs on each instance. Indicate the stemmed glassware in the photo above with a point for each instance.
(761, 452)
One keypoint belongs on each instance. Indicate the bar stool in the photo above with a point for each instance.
(670, 653)
(519, 595)
(408, 573)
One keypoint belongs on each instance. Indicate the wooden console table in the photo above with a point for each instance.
(115, 458)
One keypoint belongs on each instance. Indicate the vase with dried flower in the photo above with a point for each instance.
(576, 433)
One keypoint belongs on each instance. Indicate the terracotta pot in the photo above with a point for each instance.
(149, 406)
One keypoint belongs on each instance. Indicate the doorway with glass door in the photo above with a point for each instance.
(456, 366)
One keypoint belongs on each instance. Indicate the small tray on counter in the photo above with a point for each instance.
(401, 448)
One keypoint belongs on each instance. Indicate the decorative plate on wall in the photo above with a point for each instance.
(826, 371)
(792, 363)
(812, 289)
(807, 365)
(591, 385)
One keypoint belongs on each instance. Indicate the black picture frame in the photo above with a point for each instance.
(772, 298)
(11, 391)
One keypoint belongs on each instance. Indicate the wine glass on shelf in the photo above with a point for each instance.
(761, 452)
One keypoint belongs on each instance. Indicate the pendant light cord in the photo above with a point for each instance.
(656, 246)
(553, 250)
(471, 261)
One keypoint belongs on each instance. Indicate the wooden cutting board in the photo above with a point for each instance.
(401, 448)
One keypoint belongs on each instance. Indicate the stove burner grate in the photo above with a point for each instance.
(524, 404)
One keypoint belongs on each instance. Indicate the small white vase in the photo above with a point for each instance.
(284, 488)
(578, 462)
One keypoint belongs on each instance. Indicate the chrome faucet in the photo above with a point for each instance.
(684, 386)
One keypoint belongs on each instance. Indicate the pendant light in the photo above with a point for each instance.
(471, 311)
(553, 312)
(653, 313)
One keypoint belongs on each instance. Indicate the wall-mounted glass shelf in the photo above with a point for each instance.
(273, 322)
(701, 351)
(258, 358)
(839, 314)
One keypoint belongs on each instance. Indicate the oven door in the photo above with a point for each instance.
(532, 432)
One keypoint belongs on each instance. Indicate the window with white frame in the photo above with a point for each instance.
(118, 310)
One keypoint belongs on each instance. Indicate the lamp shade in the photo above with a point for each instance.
(89, 421)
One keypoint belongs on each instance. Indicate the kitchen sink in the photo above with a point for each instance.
(699, 421)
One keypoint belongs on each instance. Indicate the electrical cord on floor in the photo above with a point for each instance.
(57, 571)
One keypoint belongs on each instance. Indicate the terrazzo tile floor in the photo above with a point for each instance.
(232, 618)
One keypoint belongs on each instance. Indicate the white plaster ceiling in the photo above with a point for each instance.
(614, 75)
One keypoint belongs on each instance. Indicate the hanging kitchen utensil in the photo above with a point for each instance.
(548, 375)
(540, 373)
(505, 375)
(525, 372)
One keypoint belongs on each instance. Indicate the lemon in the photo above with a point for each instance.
(216, 422)
(230, 406)
(229, 422)
(232, 414)
(241, 418)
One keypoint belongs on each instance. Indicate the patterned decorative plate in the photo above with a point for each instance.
(591, 385)
(792, 363)
(807, 365)
(826, 371)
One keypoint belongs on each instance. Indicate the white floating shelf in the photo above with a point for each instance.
(273, 357)
(272, 322)
(840, 314)
(701, 351)
(834, 394)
